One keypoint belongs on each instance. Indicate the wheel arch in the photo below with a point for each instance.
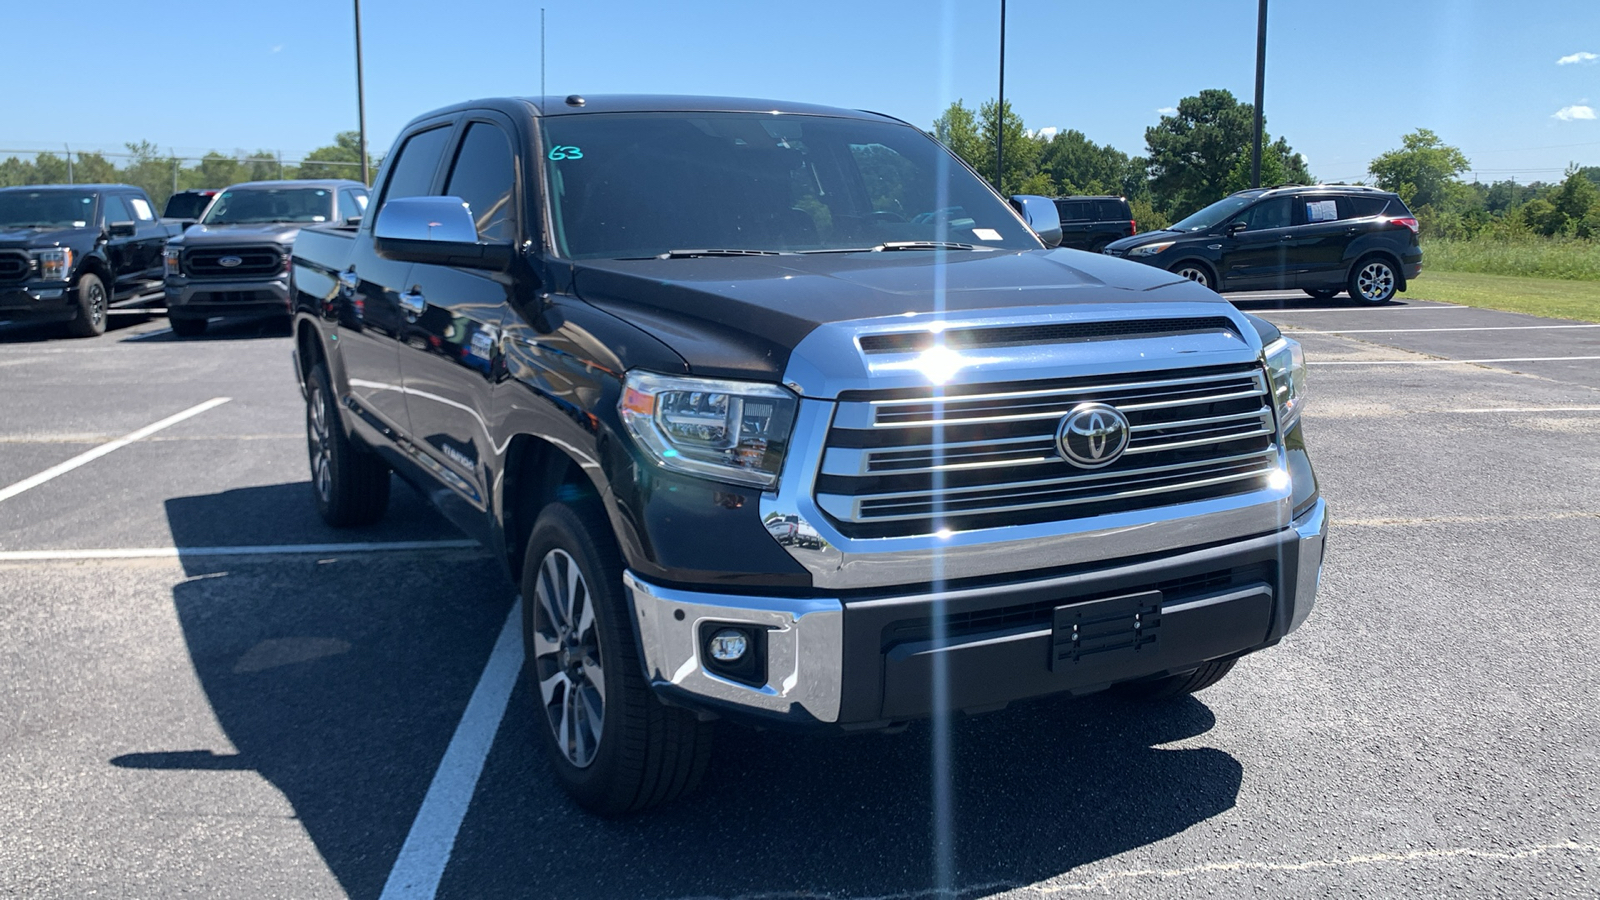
(536, 474)
(1201, 262)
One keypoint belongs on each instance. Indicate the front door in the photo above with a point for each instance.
(1259, 257)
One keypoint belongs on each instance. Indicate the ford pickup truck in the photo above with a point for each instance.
(235, 261)
(70, 253)
(780, 414)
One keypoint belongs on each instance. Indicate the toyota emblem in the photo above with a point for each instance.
(229, 262)
(1093, 435)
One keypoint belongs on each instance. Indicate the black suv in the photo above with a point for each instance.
(1090, 223)
(1323, 239)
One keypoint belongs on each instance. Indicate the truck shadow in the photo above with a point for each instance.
(340, 678)
(230, 329)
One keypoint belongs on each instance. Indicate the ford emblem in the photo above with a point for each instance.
(229, 261)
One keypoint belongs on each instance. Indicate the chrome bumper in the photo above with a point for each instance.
(1312, 528)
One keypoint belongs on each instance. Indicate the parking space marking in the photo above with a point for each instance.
(1443, 362)
(242, 550)
(1428, 330)
(1355, 309)
(432, 838)
(147, 335)
(92, 455)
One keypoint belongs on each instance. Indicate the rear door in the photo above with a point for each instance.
(1258, 258)
(149, 240)
(371, 324)
(1332, 222)
(1111, 222)
(1077, 220)
(122, 251)
(453, 320)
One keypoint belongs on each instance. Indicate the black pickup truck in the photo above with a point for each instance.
(69, 253)
(235, 262)
(778, 413)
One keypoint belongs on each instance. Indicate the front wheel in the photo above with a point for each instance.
(615, 748)
(92, 303)
(350, 484)
(1373, 281)
(1195, 272)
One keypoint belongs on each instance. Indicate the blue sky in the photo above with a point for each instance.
(1344, 79)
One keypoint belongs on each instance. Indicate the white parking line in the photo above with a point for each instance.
(1428, 330)
(103, 449)
(427, 849)
(1354, 309)
(242, 550)
(1443, 362)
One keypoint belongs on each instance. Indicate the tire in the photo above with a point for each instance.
(1195, 271)
(582, 660)
(1179, 685)
(350, 484)
(1373, 281)
(1322, 293)
(92, 305)
(187, 327)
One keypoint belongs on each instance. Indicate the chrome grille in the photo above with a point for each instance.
(14, 266)
(254, 262)
(987, 456)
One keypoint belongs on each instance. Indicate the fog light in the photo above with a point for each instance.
(728, 645)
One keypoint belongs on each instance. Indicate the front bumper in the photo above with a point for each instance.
(192, 298)
(866, 662)
(40, 301)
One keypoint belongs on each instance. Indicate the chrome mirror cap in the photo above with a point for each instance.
(445, 219)
(1041, 215)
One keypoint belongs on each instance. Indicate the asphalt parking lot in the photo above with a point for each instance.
(205, 691)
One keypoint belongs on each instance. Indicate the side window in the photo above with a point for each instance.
(1074, 211)
(418, 158)
(115, 209)
(1275, 213)
(352, 203)
(141, 209)
(1111, 210)
(1323, 209)
(1360, 207)
(484, 176)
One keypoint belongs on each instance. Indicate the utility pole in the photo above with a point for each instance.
(69, 164)
(1261, 80)
(361, 99)
(1000, 113)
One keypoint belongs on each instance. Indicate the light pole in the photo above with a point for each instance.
(361, 99)
(1261, 80)
(1000, 112)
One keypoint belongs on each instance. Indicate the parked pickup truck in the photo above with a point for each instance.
(628, 342)
(69, 253)
(235, 262)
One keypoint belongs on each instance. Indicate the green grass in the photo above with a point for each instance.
(1556, 298)
(1532, 256)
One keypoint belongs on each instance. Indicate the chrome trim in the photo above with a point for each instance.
(445, 219)
(1312, 528)
(805, 646)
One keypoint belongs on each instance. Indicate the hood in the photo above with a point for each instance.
(1146, 237)
(742, 316)
(270, 232)
(47, 237)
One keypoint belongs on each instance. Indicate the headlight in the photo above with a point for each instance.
(724, 430)
(55, 264)
(1151, 249)
(174, 258)
(1286, 365)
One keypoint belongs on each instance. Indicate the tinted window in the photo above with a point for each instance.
(46, 208)
(483, 176)
(261, 205)
(1275, 213)
(186, 206)
(1113, 209)
(1361, 207)
(412, 173)
(1073, 210)
(352, 203)
(116, 210)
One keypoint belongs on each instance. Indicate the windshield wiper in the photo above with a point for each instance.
(687, 254)
(902, 245)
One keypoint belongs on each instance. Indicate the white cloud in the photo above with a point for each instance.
(1570, 113)
(1582, 57)
(1168, 111)
(1047, 133)
(277, 48)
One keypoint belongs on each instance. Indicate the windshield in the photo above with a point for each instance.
(56, 209)
(1215, 214)
(644, 184)
(255, 206)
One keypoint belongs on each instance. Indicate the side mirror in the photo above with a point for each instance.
(1236, 227)
(1041, 215)
(122, 229)
(436, 230)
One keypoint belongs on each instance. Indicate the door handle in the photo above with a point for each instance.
(348, 282)
(413, 303)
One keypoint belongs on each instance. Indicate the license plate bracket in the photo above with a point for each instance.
(1104, 630)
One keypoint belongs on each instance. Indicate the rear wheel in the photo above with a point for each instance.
(615, 748)
(1197, 272)
(187, 327)
(350, 484)
(1179, 685)
(1373, 281)
(92, 303)
(1323, 293)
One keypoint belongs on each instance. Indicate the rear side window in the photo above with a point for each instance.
(412, 172)
(352, 203)
(141, 209)
(1360, 207)
(116, 210)
(1074, 210)
(483, 175)
(1113, 209)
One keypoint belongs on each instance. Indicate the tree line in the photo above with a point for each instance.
(145, 166)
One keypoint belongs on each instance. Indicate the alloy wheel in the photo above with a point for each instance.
(96, 306)
(1195, 274)
(1376, 282)
(317, 438)
(567, 660)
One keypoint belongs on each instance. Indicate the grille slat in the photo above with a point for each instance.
(1052, 333)
(254, 262)
(990, 458)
